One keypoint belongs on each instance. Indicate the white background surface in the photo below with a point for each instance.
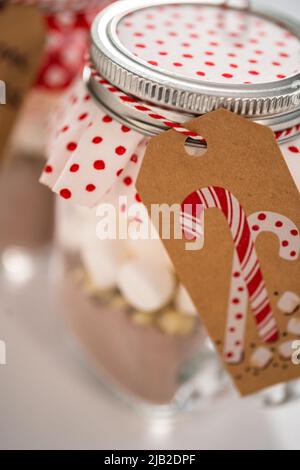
(48, 399)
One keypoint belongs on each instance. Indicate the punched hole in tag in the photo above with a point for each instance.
(196, 148)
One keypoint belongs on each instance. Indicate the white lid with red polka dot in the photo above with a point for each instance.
(194, 57)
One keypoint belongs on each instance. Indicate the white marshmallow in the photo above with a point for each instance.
(74, 224)
(184, 303)
(150, 249)
(261, 358)
(285, 349)
(103, 260)
(288, 302)
(293, 326)
(147, 286)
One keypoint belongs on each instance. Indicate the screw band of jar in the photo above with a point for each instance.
(154, 112)
(145, 108)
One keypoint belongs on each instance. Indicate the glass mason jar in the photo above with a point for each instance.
(151, 66)
(28, 221)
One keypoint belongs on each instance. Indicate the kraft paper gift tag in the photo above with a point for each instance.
(245, 281)
(22, 39)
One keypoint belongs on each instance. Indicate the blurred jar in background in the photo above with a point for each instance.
(27, 221)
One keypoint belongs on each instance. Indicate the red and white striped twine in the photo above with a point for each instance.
(145, 108)
(155, 113)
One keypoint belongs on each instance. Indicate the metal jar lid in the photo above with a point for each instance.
(191, 57)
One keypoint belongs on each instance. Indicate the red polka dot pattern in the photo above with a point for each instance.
(128, 180)
(71, 146)
(99, 165)
(106, 119)
(101, 158)
(48, 169)
(294, 149)
(181, 39)
(120, 150)
(97, 140)
(90, 187)
(74, 168)
(134, 158)
(88, 158)
(67, 42)
(65, 193)
(280, 226)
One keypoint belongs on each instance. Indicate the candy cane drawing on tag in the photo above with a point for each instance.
(248, 263)
(289, 248)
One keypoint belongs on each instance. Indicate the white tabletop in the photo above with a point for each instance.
(49, 399)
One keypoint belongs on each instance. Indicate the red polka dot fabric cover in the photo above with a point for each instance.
(93, 157)
(65, 48)
(90, 152)
(214, 44)
(68, 38)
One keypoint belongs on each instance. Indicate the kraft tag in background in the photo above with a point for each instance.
(22, 40)
(245, 281)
